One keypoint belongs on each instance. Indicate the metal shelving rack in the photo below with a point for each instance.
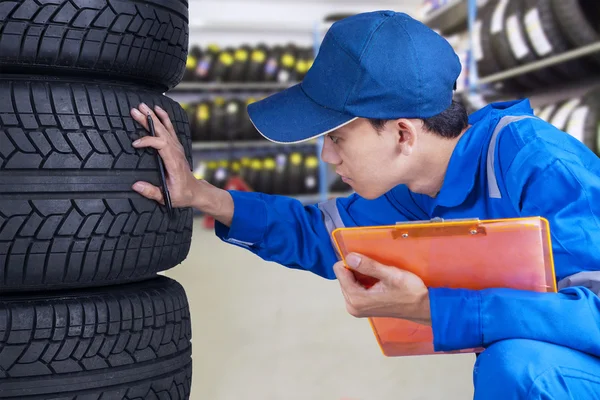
(229, 86)
(459, 15)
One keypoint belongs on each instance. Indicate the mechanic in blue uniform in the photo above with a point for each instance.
(381, 90)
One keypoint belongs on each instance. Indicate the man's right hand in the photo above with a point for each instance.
(184, 188)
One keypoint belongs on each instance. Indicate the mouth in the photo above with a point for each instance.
(345, 179)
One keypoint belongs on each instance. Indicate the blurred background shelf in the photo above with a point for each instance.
(449, 18)
(543, 63)
(230, 86)
(247, 144)
(500, 44)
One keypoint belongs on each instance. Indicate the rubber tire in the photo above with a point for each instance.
(549, 25)
(516, 9)
(68, 215)
(296, 173)
(121, 342)
(488, 65)
(143, 41)
(575, 24)
(586, 129)
(505, 57)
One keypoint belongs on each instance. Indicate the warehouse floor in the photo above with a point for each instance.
(261, 331)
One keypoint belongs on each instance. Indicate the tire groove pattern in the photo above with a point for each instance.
(94, 332)
(141, 40)
(68, 241)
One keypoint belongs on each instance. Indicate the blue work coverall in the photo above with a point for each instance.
(508, 164)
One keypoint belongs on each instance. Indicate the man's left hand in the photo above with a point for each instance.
(398, 294)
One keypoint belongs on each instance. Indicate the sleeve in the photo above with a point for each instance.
(567, 193)
(281, 229)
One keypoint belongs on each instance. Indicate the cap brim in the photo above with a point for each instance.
(290, 116)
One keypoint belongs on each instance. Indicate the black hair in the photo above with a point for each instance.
(448, 124)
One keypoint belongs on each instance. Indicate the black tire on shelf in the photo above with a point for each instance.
(546, 112)
(584, 121)
(248, 131)
(143, 41)
(564, 109)
(578, 21)
(267, 175)
(483, 53)
(222, 174)
(68, 214)
(256, 165)
(216, 123)
(280, 178)
(239, 69)
(502, 48)
(522, 49)
(487, 62)
(256, 67)
(543, 32)
(206, 65)
(209, 173)
(121, 342)
(202, 124)
(191, 65)
(273, 66)
(311, 174)
(223, 64)
(287, 72)
(245, 169)
(296, 173)
(234, 110)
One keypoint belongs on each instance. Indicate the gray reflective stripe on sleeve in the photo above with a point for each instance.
(588, 279)
(239, 242)
(332, 219)
(494, 190)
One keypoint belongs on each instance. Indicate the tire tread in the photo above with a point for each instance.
(141, 39)
(96, 235)
(93, 332)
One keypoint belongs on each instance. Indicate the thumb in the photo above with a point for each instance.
(367, 266)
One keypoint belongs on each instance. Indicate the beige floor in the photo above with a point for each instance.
(261, 331)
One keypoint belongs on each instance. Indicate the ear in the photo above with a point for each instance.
(407, 135)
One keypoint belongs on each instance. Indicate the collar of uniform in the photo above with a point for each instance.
(467, 156)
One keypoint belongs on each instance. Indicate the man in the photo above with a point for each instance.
(381, 91)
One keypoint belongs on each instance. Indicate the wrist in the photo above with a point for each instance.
(422, 312)
(213, 201)
(204, 197)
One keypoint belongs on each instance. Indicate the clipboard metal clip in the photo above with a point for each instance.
(466, 226)
(438, 219)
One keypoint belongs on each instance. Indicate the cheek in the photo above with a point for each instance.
(373, 166)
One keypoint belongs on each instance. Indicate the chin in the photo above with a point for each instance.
(369, 195)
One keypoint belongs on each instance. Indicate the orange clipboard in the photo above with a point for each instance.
(468, 254)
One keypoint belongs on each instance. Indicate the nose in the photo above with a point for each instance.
(329, 154)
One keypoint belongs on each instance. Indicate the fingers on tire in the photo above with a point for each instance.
(70, 217)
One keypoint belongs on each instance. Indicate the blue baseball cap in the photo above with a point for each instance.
(381, 65)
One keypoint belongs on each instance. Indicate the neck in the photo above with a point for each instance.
(432, 171)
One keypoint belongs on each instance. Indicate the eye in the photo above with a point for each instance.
(334, 139)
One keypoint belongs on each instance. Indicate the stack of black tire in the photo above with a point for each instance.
(83, 314)
(221, 119)
(247, 63)
(290, 172)
(510, 33)
(579, 116)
